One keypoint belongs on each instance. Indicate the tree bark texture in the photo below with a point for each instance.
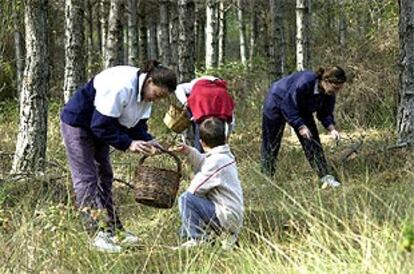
(242, 32)
(32, 137)
(114, 44)
(132, 33)
(277, 45)
(211, 34)
(74, 74)
(165, 50)
(143, 32)
(18, 45)
(302, 34)
(186, 45)
(405, 119)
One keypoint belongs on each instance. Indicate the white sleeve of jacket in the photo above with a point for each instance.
(196, 159)
(182, 91)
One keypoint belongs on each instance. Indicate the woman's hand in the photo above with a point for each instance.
(305, 132)
(335, 135)
(143, 147)
(182, 148)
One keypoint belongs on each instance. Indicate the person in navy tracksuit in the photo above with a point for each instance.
(294, 99)
(112, 109)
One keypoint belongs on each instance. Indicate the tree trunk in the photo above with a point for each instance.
(186, 46)
(405, 119)
(132, 33)
(74, 74)
(104, 13)
(242, 32)
(114, 45)
(174, 35)
(277, 46)
(222, 34)
(32, 137)
(165, 50)
(153, 34)
(211, 34)
(90, 46)
(143, 32)
(18, 45)
(254, 28)
(303, 34)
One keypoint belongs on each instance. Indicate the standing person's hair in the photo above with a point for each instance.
(212, 132)
(333, 74)
(161, 75)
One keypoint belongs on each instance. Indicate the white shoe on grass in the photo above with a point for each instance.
(126, 238)
(192, 243)
(103, 242)
(329, 181)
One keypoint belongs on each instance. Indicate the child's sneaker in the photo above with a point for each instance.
(123, 237)
(192, 243)
(103, 242)
(329, 181)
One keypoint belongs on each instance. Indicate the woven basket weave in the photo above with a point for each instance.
(157, 187)
(177, 119)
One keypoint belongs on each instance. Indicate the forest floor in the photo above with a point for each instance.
(291, 225)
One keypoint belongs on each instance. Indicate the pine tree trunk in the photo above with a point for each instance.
(254, 28)
(302, 34)
(405, 119)
(242, 32)
(32, 137)
(186, 46)
(211, 34)
(18, 45)
(132, 33)
(174, 35)
(165, 51)
(153, 37)
(74, 54)
(143, 35)
(104, 14)
(114, 45)
(276, 50)
(90, 45)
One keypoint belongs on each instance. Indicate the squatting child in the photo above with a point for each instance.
(214, 199)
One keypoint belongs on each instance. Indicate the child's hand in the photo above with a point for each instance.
(181, 148)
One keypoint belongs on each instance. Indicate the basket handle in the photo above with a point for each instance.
(172, 154)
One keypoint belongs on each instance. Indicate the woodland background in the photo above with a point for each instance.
(48, 48)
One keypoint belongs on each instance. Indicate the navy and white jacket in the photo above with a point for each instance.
(297, 97)
(111, 107)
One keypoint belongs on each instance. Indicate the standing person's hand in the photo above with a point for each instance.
(182, 148)
(157, 146)
(335, 135)
(305, 132)
(142, 147)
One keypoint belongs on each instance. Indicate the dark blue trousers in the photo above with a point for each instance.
(272, 133)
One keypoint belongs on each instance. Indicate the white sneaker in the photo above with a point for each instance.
(191, 243)
(125, 238)
(329, 181)
(103, 242)
(229, 242)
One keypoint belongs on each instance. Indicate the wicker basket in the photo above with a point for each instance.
(157, 187)
(177, 118)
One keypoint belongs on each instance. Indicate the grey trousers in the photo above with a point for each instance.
(92, 176)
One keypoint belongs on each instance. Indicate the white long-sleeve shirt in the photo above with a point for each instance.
(217, 179)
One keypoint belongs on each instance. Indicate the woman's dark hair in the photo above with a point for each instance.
(161, 75)
(212, 132)
(333, 74)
